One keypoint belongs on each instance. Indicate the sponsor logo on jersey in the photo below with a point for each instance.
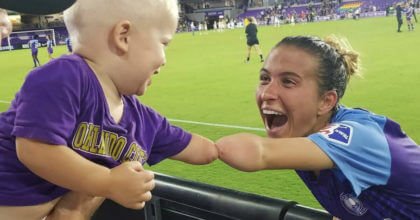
(352, 204)
(338, 133)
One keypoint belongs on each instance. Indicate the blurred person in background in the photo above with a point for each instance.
(5, 25)
(252, 41)
(50, 45)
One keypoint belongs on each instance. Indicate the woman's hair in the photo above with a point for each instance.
(251, 19)
(337, 60)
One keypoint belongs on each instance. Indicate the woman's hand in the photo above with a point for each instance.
(75, 206)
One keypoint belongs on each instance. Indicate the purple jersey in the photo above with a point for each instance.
(69, 108)
(377, 168)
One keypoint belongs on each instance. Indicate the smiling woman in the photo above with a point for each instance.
(63, 156)
(344, 155)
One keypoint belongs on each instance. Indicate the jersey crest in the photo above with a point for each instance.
(352, 204)
(338, 133)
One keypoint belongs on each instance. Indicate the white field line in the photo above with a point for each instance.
(197, 122)
(216, 125)
(5, 102)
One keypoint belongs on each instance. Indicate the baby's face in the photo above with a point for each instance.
(147, 55)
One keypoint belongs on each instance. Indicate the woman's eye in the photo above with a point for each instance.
(264, 79)
(288, 82)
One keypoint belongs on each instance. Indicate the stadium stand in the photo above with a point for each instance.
(235, 11)
(320, 10)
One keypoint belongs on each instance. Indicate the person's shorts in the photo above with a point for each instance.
(50, 50)
(35, 53)
(252, 42)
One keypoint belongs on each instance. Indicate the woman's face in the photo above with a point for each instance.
(287, 95)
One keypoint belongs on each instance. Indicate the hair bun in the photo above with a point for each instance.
(349, 56)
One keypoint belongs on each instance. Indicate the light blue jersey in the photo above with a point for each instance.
(49, 43)
(409, 13)
(377, 168)
(50, 46)
(33, 44)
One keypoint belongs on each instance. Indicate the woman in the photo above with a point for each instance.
(50, 45)
(252, 39)
(358, 165)
(33, 45)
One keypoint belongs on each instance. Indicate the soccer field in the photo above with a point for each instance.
(207, 88)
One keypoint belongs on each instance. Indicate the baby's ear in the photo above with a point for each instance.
(120, 36)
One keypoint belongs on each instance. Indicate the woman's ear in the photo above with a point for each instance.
(120, 36)
(328, 102)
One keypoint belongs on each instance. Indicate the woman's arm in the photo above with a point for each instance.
(249, 152)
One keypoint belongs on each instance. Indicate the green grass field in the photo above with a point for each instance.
(206, 80)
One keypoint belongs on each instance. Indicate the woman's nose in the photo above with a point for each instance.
(269, 91)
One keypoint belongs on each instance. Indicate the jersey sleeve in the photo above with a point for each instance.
(359, 150)
(168, 139)
(47, 103)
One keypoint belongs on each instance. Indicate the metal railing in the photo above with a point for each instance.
(180, 199)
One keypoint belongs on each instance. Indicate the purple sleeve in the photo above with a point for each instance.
(169, 141)
(48, 103)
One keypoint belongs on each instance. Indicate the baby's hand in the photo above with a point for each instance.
(130, 185)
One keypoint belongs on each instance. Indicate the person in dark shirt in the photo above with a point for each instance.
(398, 10)
(252, 39)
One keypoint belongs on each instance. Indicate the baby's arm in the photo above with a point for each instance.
(200, 150)
(127, 184)
(249, 152)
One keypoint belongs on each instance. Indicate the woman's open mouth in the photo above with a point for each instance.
(273, 120)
